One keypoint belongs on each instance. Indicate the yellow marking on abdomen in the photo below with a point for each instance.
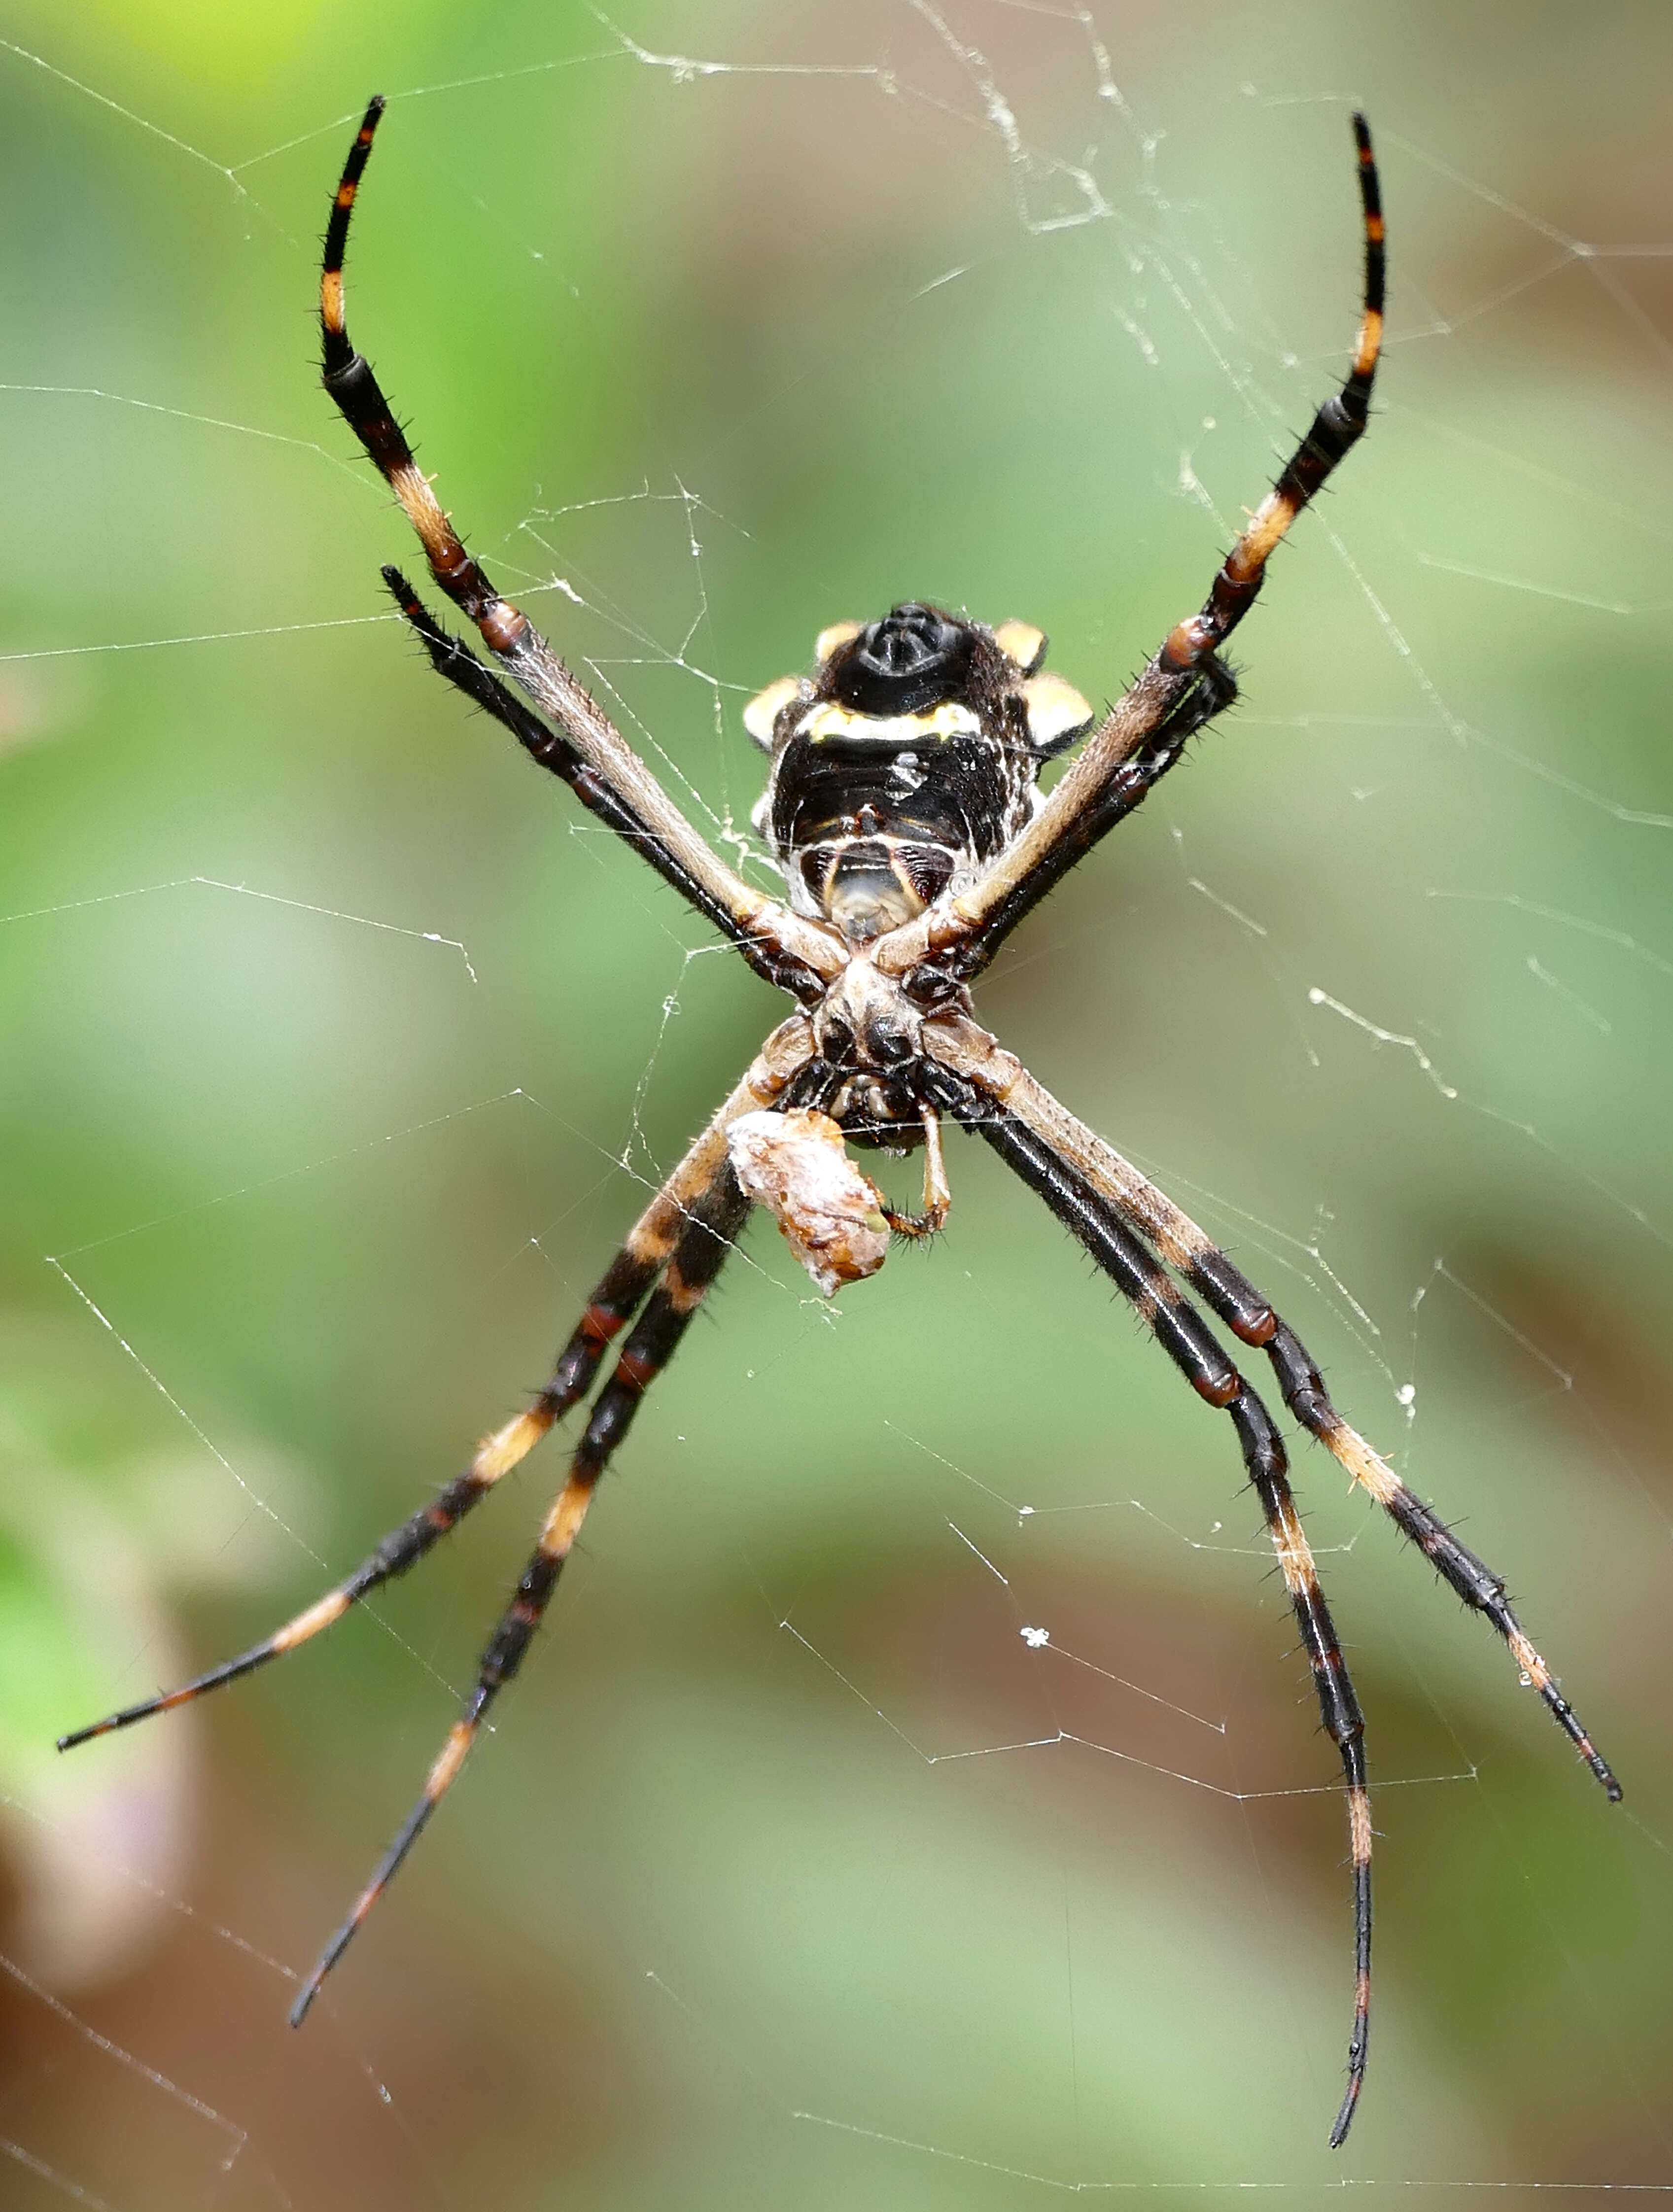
(949, 720)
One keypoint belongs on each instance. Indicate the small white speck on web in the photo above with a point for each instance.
(1036, 1637)
(1022, 1512)
(1405, 1394)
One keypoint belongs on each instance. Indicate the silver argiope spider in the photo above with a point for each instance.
(903, 808)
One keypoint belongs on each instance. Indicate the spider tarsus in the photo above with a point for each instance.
(1350, 2105)
(112, 1722)
(166, 1700)
(85, 1735)
(1600, 1768)
(412, 1829)
(299, 2011)
(315, 1982)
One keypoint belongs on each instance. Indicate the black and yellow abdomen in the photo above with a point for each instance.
(907, 763)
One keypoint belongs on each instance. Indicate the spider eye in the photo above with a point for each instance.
(913, 658)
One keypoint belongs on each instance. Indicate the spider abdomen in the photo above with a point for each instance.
(877, 822)
(907, 763)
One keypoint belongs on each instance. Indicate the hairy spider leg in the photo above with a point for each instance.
(519, 646)
(1336, 429)
(1229, 1294)
(1190, 1343)
(937, 1191)
(1190, 1250)
(593, 757)
(712, 1223)
(1179, 691)
(348, 379)
(1207, 690)
(617, 1297)
(450, 657)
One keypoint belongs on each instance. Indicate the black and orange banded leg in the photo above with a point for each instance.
(1336, 429)
(617, 1297)
(452, 659)
(348, 379)
(1192, 1347)
(790, 950)
(711, 1223)
(1241, 1308)
(1181, 689)
(1228, 1293)
(1209, 688)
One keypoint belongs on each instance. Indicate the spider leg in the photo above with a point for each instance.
(1190, 1343)
(1229, 1293)
(1144, 734)
(937, 1192)
(453, 659)
(651, 1245)
(1336, 429)
(1018, 883)
(712, 1222)
(515, 642)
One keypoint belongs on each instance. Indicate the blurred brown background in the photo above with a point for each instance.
(1011, 305)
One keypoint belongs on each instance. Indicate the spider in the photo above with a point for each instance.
(902, 806)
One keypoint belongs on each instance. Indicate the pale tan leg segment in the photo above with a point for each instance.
(937, 1191)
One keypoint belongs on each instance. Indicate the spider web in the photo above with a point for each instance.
(914, 1798)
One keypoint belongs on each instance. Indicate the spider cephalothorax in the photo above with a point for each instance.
(902, 806)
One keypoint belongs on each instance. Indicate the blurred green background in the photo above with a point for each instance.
(1011, 305)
